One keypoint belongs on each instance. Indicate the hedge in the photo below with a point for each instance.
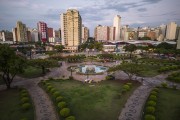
(24, 99)
(70, 118)
(149, 117)
(59, 98)
(62, 105)
(150, 110)
(25, 106)
(151, 103)
(65, 112)
(153, 97)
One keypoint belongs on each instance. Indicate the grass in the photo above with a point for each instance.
(149, 70)
(10, 108)
(168, 105)
(32, 72)
(99, 101)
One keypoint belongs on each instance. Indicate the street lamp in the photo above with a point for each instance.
(71, 71)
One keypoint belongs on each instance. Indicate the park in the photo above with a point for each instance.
(91, 85)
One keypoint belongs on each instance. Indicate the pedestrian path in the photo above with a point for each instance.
(134, 105)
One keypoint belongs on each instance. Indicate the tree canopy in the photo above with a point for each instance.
(10, 64)
(130, 48)
(130, 69)
(59, 48)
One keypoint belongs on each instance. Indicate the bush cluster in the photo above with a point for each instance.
(24, 99)
(168, 68)
(150, 106)
(174, 77)
(126, 87)
(58, 101)
(164, 85)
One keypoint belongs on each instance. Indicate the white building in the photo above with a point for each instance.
(34, 35)
(102, 33)
(117, 25)
(171, 31)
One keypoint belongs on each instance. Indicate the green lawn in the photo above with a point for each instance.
(93, 102)
(168, 105)
(10, 108)
(32, 72)
(149, 70)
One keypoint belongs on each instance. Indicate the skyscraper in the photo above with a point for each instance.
(71, 28)
(171, 31)
(42, 29)
(117, 25)
(85, 33)
(101, 33)
(21, 32)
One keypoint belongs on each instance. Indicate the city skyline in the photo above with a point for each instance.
(139, 13)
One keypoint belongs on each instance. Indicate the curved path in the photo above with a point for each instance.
(134, 105)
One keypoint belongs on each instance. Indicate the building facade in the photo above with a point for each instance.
(117, 25)
(42, 30)
(85, 34)
(71, 29)
(171, 31)
(102, 33)
(21, 32)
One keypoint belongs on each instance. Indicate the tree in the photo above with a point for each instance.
(130, 69)
(59, 48)
(130, 48)
(43, 63)
(10, 64)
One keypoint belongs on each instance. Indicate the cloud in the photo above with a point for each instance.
(142, 9)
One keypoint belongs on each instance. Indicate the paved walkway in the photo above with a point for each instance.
(134, 105)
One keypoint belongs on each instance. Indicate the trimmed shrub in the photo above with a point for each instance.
(123, 91)
(150, 110)
(47, 84)
(24, 99)
(151, 103)
(23, 119)
(49, 88)
(62, 104)
(130, 84)
(164, 85)
(52, 90)
(26, 106)
(24, 91)
(152, 97)
(156, 89)
(70, 118)
(64, 112)
(24, 95)
(154, 93)
(149, 117)
(59, 98)
(126, 87)
(56, 94)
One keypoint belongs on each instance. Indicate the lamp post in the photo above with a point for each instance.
(71, 71)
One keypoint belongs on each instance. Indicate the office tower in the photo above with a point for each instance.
(85, 33)
(102, 33)
(117, 25)
(71, 29)
(42, 30)
(34, 35)
(171, 31)
(178, 41)
(112, 31)
(51, 35)
(6, 36)
(14, 31)
(21, 32)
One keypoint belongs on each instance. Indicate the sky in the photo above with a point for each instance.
(135, 13)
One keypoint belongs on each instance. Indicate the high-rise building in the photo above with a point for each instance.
(85, 33)
(6, 35)
(171, 31)
(71, 28)
(101, 33)
(178, 41)
(34, 35)
(117, 25)
(51, 36)
(14, 31)
(112, 31)
(21, 32)
(42, 29)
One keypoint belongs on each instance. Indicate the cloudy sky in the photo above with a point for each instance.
(93, 12)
